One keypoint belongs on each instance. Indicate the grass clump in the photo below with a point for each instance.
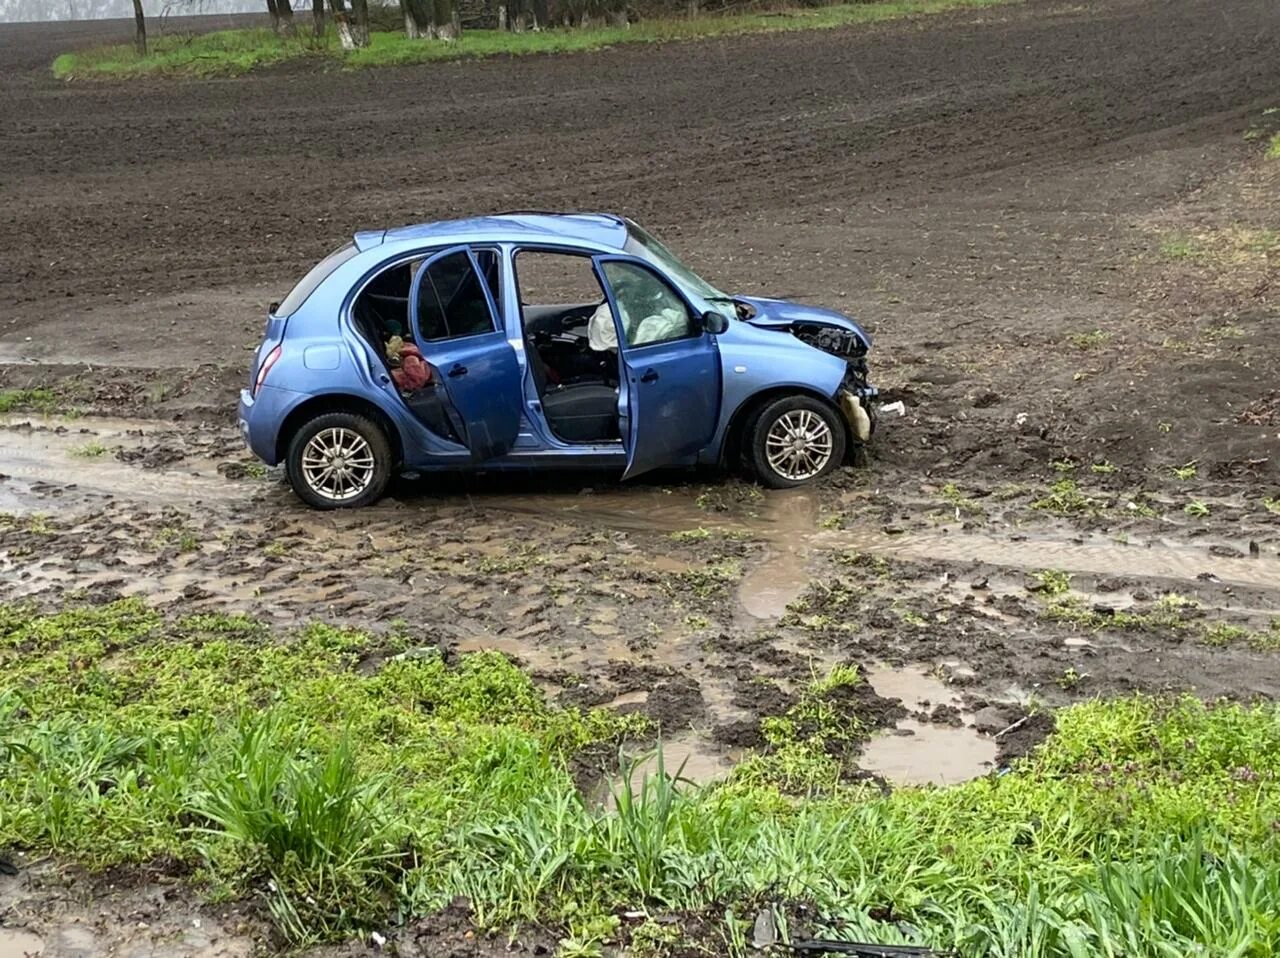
(352, 781)
(1089, 340)
(35, 400)
(90, 450)
(952, 496)
(1065, 498)
(1273, 147)
(238, 51)
(1179, 246)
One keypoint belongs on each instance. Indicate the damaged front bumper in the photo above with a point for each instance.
(859, 411)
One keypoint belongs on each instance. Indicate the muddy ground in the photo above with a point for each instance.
(1055, 218)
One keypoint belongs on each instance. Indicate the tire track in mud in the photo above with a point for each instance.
(41, 457)
(561, 581)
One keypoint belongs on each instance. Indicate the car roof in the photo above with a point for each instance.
(599, 229)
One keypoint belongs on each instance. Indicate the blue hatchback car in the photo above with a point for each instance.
(545, 341)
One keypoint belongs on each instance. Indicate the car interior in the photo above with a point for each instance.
(381, 314)
(576, 380)
(559, 293)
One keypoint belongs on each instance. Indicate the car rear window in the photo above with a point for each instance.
(307, 285)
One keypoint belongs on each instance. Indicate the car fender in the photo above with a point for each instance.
(756, 361)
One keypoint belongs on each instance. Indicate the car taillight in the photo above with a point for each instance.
(265, 368)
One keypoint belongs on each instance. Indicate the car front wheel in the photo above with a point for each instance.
(795, 440)
(339, 460)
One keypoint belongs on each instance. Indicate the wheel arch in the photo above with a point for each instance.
(731, 450)
(337, 402)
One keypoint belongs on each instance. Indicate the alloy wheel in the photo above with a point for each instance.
(338, 463)
(799, 444)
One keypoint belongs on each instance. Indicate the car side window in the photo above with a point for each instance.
(651, 311)
(451, 300)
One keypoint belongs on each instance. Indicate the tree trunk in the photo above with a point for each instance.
(417, 18)
(285, 10)
(446, 22)
(317, 17)
(360, 29)
(342, 24)
(540, 14)
(275, 16)
(616, 15)
(139, 29)
(695, 8)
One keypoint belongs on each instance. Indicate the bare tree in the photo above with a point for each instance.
(446, 21)
(417, 20)
(351, 34)
(281, 17)
(361, 30)
(285, 9)
(139, 29)
(434, 19)
(317, 17)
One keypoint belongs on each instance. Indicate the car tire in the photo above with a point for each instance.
(795, 440)
(356, 453)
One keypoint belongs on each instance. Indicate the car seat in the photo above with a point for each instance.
(576, 412)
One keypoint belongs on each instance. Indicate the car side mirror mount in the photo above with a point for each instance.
(715, 323)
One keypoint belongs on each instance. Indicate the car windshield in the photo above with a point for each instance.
(646, 247)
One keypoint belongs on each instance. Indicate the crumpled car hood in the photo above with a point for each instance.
(782, 313)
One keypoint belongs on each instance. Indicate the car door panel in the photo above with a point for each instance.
(477, 370)
(672, 395)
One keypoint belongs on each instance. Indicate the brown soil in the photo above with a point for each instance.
(1055, 218)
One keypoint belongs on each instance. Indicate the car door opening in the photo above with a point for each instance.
(574, 372)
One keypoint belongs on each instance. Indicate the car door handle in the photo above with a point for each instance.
(457, 370)
(650, 376)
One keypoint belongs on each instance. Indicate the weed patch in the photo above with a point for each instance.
(349, 779)
(1065, 498)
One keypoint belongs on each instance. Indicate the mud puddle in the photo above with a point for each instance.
(44, 459)
(774, 583)
(19, 944)
(918, 752)
(788, 524)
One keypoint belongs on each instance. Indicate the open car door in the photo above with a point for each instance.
(461, 334)
(671, 363)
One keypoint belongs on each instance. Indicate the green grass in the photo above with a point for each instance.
(1065, 498)
(1273, 147)
(238, 51)
(90, 450)
(1089, 340)
(35, 400)
(1179, 246)
(350, 781)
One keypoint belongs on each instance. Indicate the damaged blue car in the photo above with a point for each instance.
(543, 341)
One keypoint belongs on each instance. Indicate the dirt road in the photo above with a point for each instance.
(1056, 219)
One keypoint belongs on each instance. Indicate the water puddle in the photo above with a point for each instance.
(777, 581)
(918, 753)
(43, 458)
(922, 753)
(1155, 559)
(19, 944)
(914, 687)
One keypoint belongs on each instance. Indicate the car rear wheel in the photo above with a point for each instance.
(339, 460)
(795, 440)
